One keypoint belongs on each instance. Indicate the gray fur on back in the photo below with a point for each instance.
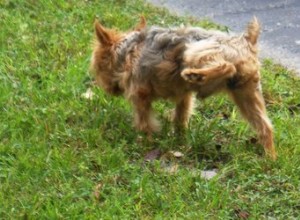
(156, 44)
(160, 41)
(128, 44)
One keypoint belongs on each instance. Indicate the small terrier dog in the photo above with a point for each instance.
(173, 63)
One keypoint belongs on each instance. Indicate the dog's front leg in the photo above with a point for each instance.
(143, 115)
(183, 110)
(251, 104)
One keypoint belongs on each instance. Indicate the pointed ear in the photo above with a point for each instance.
(102, 34)
(142, 24)
(252, 31)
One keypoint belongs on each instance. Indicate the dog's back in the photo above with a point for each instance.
(161, 58)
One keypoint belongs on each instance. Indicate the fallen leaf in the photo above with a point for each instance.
(242, 214)
(152, 155)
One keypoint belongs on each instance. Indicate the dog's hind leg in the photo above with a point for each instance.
(251, 104)
(206, 75)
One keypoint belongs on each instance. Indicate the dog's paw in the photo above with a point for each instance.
(222, 67)
(192, 76)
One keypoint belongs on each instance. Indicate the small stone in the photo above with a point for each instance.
(88, 94)
(208, 174)
(177, 154)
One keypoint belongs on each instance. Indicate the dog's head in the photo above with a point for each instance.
(111, 48)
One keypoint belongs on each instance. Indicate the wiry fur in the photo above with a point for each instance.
(150, 63)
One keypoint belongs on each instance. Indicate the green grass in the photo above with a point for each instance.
(57, 149)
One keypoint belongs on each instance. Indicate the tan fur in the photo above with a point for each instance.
(141, 25)
(147, 64)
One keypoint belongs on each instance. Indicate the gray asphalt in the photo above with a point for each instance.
(280, 39)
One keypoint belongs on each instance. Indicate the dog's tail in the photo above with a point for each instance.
(252, 32)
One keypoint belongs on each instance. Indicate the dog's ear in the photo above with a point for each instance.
(142, 24)
(252, 31)
(102, 34)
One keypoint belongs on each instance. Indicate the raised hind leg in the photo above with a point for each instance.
(209, 74)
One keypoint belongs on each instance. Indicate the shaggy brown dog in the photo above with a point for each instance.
(150, 63)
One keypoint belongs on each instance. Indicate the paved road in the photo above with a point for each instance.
(280, 39)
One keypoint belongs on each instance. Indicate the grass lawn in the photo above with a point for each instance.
(63, 156)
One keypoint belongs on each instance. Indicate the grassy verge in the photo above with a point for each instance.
(66, 157)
